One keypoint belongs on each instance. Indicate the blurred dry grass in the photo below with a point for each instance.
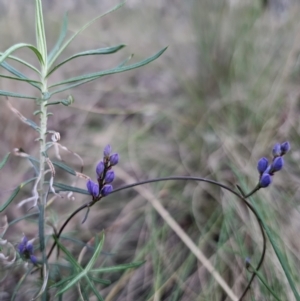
(224, 92)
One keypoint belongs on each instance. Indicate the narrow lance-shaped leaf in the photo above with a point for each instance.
(61, 38)
(95, 291)
(72, 86)
(95, 255)
(40, 30)
(66, 44)
(107, 50)
(17, 95)
(15, 47)
(17, 73)
(64, 167)
(15, 193)
(70, 257)
(17, 59)
(28, 80)
(125, 61)
(64, 187)
(120, 267)
(86, 270)
(57, 164)
(5, 159)
(111, 71)
(100, 280)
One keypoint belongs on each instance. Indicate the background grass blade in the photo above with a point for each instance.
(15, 193)
(3, 162)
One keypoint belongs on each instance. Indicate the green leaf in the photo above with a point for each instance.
(125, 61)
(32, 124)
(15, 193)
(84, 272)
(20, 79)
(107, 50)
(17, 95)
(66, 44)
(3, 162)
(15, 47)
(15, 58)
(14, 71)
(62, 281)
(100, 280)
(111, 71)
(40, 31)
(95, 255)
(95, 291)
(61, 38)
(64, 167)
(70, 257)
(10, 199)
(117, 268)
(72, 86)
(63, 187)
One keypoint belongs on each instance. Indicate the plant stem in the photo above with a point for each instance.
(42, 192)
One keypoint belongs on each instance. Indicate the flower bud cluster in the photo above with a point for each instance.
(266, 170)
(105, 175)
(25, 249)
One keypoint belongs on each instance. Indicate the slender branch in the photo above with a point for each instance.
(87, 205)
(184, 178)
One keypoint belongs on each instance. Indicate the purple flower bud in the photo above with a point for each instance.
(285, 147)
(29, 248)
(22, 245)
(265, 180)
(33, 259)
(107, 151)
(277, 164)
(114, 159)
(109, 177)
(107, 189)
(92, 188)
(100, 168)
(262, 165)
(247, 262)
(276, 150)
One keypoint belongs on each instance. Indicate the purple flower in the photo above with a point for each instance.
(285, 147)
(92, 188)
(33, 259)
(25, 249)
(276, 150)
(265, 180)
(262, 165)
(22, 245)
(106, 190)
(107, 151)
(100, 168)
(277, 164)
(114, 159)
(109, 177)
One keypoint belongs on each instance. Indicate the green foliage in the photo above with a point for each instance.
(44, 165)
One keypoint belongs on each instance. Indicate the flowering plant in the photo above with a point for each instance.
(35, 252)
